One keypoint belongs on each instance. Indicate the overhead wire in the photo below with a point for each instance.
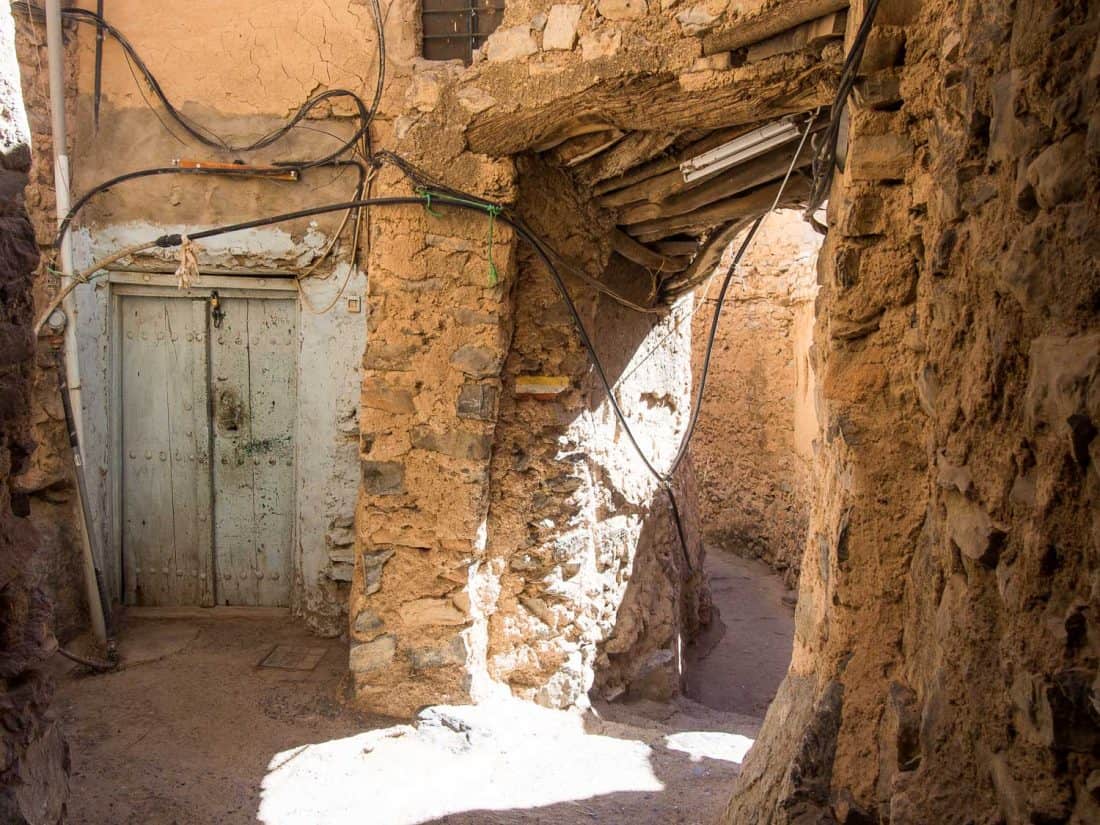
(202, 133)
(824, 161)
(155, 171)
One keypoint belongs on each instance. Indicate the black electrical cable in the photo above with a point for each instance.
(156, 171)
(824, 162)
(469, 203)
(94, 664)
(720, 303)
(474, 204)
(205, 135)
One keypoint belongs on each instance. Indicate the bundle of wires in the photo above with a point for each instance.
(208, 137)
(824, 162)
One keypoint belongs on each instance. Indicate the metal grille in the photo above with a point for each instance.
(453, 29)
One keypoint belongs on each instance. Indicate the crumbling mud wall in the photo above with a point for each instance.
(946, 657)
(46, 479)
(597, 595)
(34, 759)
(509, 535)
(753, 449)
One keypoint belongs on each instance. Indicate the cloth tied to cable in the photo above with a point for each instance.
(187, 273)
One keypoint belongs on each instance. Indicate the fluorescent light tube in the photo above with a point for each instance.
(738, 150)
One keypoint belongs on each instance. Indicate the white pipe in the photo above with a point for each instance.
(739, 150)
(55, 51)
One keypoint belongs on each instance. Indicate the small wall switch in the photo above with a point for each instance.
(355, 303)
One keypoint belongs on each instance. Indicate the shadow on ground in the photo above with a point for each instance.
(194, 730)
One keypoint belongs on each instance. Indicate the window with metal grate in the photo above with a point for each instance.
(453, 29)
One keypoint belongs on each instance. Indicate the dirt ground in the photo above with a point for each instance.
(739, 662)
(192, 729)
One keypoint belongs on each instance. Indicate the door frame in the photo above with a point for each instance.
(121, 283)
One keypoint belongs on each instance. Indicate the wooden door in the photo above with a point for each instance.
(254, 389)
(207, 448)
(165, 445)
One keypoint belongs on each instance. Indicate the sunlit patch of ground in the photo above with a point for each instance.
(498, 756)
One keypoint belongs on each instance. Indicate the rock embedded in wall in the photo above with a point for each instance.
(429, 394)
(561, 27)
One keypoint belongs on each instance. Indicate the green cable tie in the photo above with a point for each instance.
(491, 209)
(494, 276)
(427, 196)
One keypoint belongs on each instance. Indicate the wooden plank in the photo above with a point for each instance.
(234, 484)
(707, 259)
(643, 255)
(722, 212)
(750, 94)
(182, 340)
(160, 354)
(114, 428)
(579, 149)
(809, 34)
(199, 436)
(126, 282)
(670, 183)
(667, 164)
(273, 347)
(254, 360)
(768, 22)
(636, 148)
(574, 127)
(676, 246)
(729, 182)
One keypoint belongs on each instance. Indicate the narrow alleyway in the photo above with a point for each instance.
(224, 737)
(740, 660)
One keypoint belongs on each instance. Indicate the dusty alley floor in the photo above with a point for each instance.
(193, 730)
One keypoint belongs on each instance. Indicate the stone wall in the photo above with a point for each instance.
(507, 539)
(946, 657)
(753, 447)
(34, 759)
(46, 479)
(595, 589)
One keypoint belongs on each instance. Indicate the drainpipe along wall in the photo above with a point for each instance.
(74, 408)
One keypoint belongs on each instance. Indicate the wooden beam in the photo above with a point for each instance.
(729, 182)
(724, 211)
(770, 21)
(574, 127)
(636, 148)
(643, 255)
(667, 164)
(675, 247)
(707, 259)
(800, 37)
(579, 149)
(754, 93)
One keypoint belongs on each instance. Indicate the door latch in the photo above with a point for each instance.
(217, 314)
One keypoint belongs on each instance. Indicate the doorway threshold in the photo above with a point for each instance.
(219, 612)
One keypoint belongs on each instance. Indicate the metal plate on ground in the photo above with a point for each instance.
(293, 657)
